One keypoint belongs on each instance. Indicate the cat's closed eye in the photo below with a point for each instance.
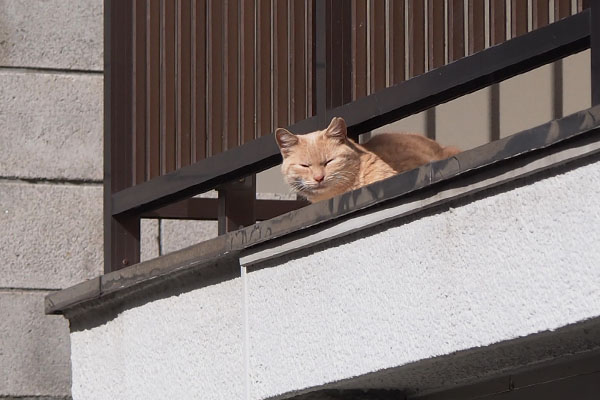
(328, 161)
(304, 165)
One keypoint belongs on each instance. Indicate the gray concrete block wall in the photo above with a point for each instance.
(50, 182)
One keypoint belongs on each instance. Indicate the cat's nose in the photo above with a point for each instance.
(319, 178)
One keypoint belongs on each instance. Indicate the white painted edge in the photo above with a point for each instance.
(379, 216)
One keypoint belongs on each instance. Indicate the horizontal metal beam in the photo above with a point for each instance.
(526, 52)
(207, 209)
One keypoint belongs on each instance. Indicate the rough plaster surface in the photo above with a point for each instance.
(51, 234)
(518, 261)
(509, 265)
(51, 34)
(34, 348)
(181, 347)
(51, 125)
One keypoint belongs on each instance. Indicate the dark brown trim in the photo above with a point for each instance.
(121, 233)
(207, 209)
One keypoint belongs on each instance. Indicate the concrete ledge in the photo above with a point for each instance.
(51, 125)
(517, 156)
(51, 34)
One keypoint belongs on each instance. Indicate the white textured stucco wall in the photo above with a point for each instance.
(516, 261)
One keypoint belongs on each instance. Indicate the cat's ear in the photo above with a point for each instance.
(337, 129)
(285, 139)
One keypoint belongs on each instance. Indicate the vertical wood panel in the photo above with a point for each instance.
(167, 89)
(396, 44)
(184, 23)
(333, 34)
(562, 9)
(540, 9)
(281, 94)
(231, 113)
(311, 54)
(582, 5)
(153, 89)
(247, 71)
(139, 92)
(435, 26)
(347, 51)
(518, 17)
(456, 33)
(359, 48)
(416, 39)
(198, 109)
(477, 25)
(263, 66)
(299, 61)
(497, 22)
(377, 57)
(215, 76)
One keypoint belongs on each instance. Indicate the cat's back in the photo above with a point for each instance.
(405, 151)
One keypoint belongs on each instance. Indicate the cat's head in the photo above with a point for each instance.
(321, 164)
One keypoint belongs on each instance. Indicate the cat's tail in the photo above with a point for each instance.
(450, 151)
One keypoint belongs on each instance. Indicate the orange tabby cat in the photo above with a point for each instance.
(324, 164)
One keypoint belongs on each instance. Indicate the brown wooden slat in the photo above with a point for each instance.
(377, 57)
(435, 26)
(247, 71)
(456, 33)
(562, 9)
(540, 11)
(167, 88)
(346, 51)
(198, 108)
(416, 37)
(280, 60)
(231, 79)
(333, 33)
(396, 41)
(518, 18)
(582, 5)
(184, 26)
(214, 115)
(477, 25)
(359, 48)
(139, 92)
(311, 80)
(339, 53)
(497, 21)
(263, 68)
(153, 89)
(298, 62)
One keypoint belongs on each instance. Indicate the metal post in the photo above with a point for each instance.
(595, 49)
(121, 233)
(236, 207)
